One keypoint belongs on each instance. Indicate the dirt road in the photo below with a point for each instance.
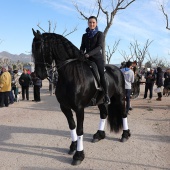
(35, 136)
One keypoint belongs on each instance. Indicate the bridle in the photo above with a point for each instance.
(48, 67)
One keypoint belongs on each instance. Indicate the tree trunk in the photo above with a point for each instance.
(104, 49)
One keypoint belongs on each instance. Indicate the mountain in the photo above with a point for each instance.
(14, 57)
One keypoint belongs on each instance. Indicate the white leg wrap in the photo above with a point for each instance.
(73, 135)
(80, 143)
(125, 124)
(102, 124)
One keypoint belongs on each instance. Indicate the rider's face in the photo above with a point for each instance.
(92, 23)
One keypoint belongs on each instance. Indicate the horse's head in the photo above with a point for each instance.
(41, 54)
(47, 47)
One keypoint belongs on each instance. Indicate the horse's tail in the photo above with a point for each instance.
(115, 111)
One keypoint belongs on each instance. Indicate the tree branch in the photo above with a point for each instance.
(166, 17)
(49, 26)
(75, 29)
(81, 13)
(54, 27)
(38, 25)
(110, 53)
(128, 3)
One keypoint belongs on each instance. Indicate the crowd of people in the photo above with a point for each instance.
(158, 77)
(153, 76)
(13, 83)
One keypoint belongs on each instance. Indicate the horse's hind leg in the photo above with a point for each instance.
(69, 115)
(126, 132)
(100, 134)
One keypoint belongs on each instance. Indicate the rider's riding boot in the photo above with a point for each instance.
(105, 88)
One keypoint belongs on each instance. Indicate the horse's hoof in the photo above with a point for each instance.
(78, 158)
(98, 136)
(125, 136)
(76, 162)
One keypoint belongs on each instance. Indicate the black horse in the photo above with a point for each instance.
(76, 88)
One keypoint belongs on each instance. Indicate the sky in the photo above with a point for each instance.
(141, 21)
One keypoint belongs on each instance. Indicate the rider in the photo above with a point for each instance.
(92, 44)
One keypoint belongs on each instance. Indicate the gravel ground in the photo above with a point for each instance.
(35, 136)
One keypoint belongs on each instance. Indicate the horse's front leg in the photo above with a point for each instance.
(100, 134)
(69, 115)
(79, 155)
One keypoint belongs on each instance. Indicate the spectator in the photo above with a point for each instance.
(5, 86)
(24, 81)
(167, 79)
(150, 78)
(15, 83)
(28, 71)
(37, 84)
(11, 95)
(159, 82)
(129, 79)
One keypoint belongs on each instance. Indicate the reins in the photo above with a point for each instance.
(59, 66)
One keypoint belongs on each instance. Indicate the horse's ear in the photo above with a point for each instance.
(36, 34)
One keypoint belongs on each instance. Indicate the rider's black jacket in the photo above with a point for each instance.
(92, 46)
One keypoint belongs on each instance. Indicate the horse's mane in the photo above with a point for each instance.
(62, 46)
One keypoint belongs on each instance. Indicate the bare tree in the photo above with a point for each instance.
(110, 52)
(157, 61)
(116, 6)
(126, 56)
(160, 62)
(166, 17)
(140, 53)
(49, 29)
(151, 60)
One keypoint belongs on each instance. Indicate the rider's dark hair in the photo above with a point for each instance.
(92, 17)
